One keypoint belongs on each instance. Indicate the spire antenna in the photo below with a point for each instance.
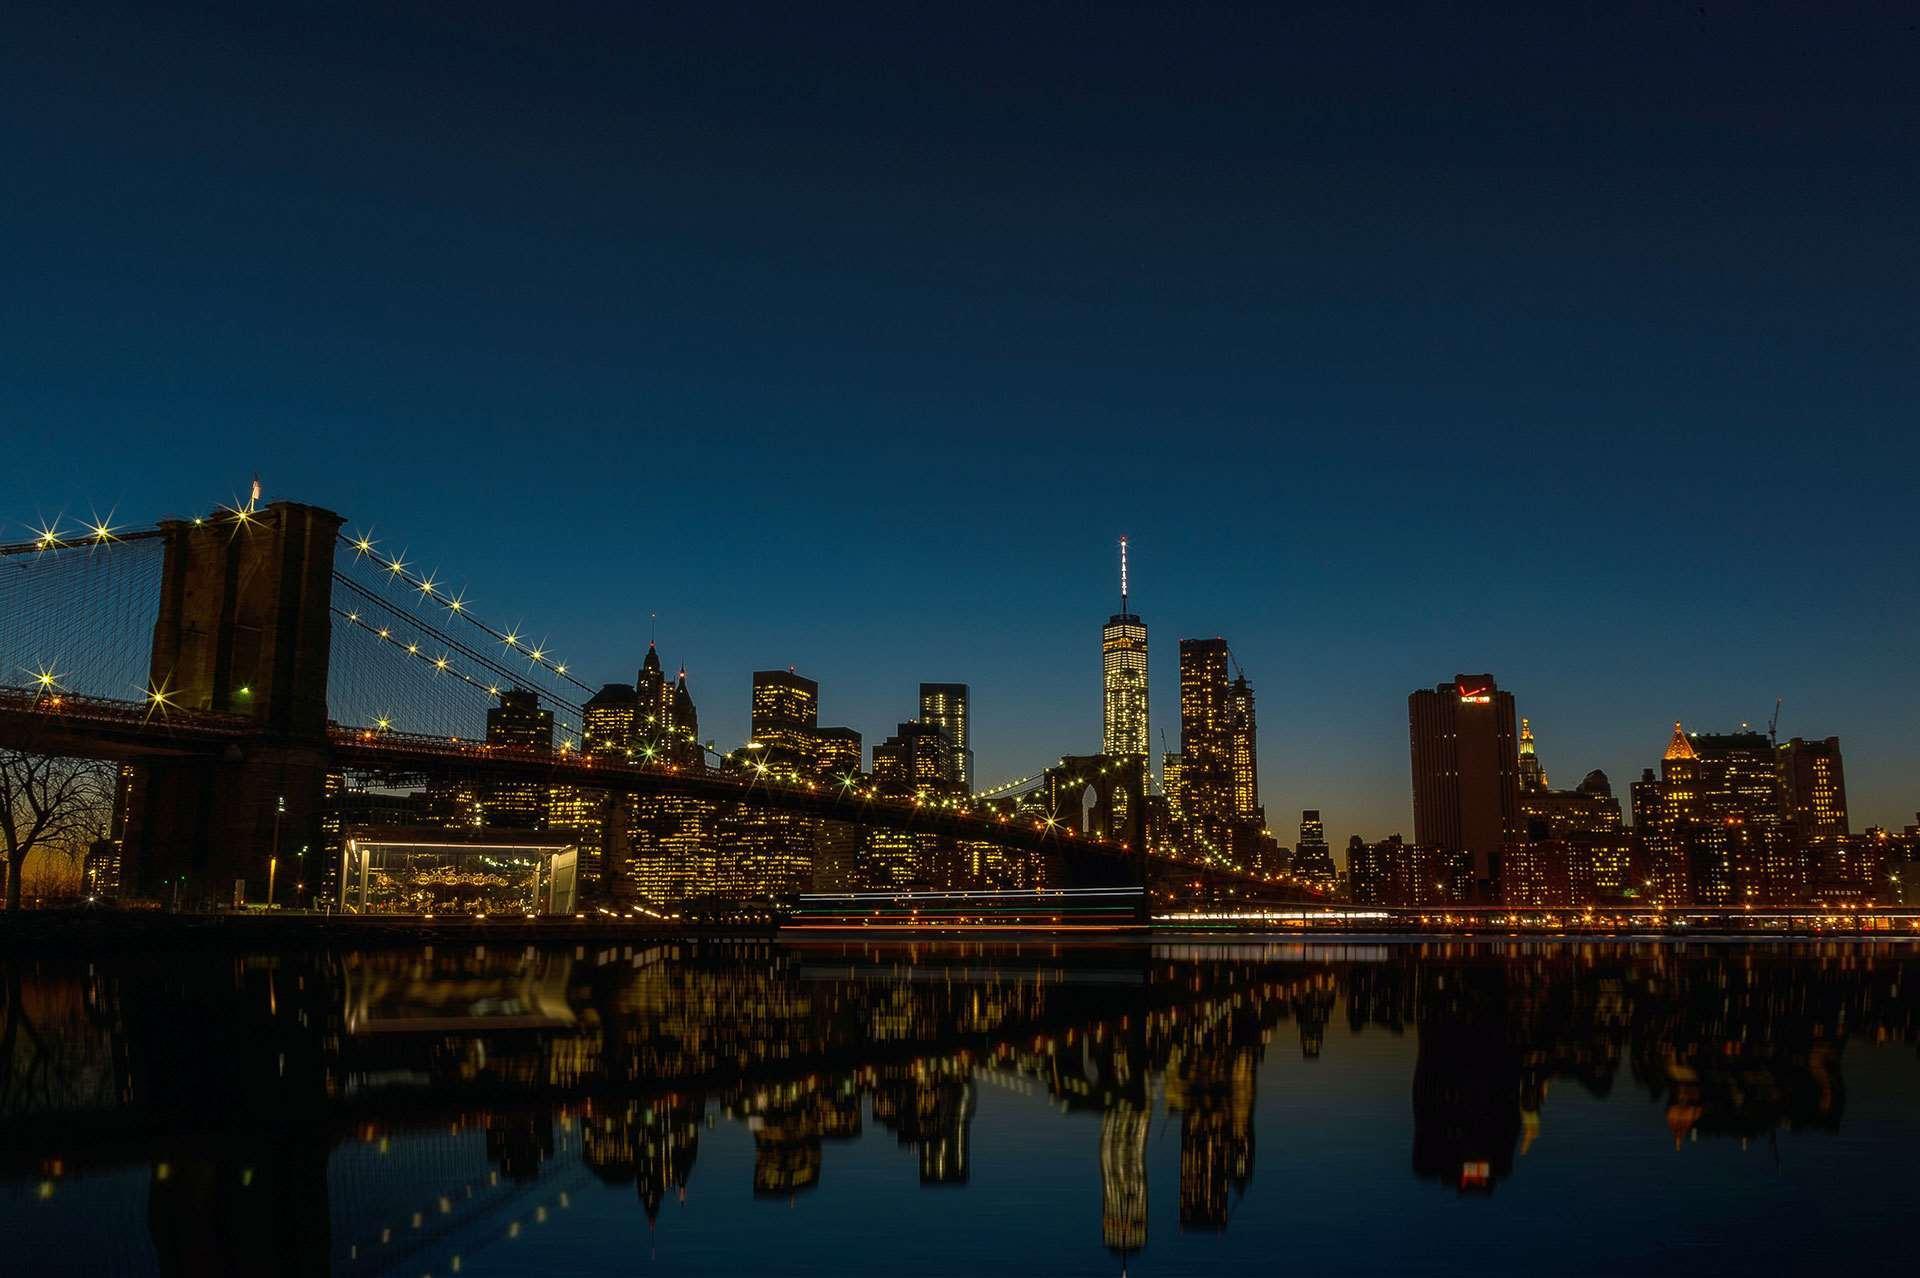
(1123, 575)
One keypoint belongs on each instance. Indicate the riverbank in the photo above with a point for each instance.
(43, 931)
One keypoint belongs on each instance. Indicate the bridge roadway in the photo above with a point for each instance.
(79, 727)
(102, 728)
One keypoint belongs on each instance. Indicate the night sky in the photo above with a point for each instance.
(1580, 349)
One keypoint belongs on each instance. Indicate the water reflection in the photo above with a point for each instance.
(404, 1111)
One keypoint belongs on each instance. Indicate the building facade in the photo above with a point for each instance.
(785, 714)
(1813, 784)
(944, 705)
(1466, 773)
(1206, 747)
(521, 722)
(1123, 676)
(1312, 858)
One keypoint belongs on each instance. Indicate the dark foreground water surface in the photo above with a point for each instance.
(721, 1108)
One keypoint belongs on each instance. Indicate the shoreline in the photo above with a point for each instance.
(34, 932)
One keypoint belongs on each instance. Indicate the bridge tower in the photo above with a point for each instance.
(244, 628)
(1103, 796)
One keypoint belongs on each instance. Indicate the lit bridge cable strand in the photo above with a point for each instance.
(77, 610)
(393, 573)
(428, 589)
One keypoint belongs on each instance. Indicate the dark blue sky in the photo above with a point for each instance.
(1582, 349)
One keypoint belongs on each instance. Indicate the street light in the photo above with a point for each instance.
(273, 858)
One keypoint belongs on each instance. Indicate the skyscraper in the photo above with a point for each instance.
(519, 721)
(606, 731)
(1815, 788)
(673, 854)
(1739, 776)
(1206, 744)
(1466, 773)
(653, 700)
(1533, 777)
(607, 721)
(683, 725)
(1312, 858)
(1241, 756)
(917, 759)
(837, 753)
(1742, 820)
(1173, 784)
(1123, 669)
(944, 705)
(786, 711)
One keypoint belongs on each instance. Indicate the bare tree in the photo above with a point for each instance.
(50, 802)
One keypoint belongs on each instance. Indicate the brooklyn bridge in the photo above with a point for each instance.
(237, 660)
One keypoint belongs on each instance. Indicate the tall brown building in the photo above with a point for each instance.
(1814, 789)
(1466, 773)
(1739, 849)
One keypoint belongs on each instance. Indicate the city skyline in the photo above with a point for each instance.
(653, 635)
(825, 385)
(730, 724)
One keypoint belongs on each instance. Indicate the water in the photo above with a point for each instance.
(709, 1108)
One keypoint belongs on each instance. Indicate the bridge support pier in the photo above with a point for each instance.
(198, 826)
(245, 627)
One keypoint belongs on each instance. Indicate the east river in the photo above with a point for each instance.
(719, 1107)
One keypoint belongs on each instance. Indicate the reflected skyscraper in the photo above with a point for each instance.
(1123, 1177)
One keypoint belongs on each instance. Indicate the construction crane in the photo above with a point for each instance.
(1773, 726)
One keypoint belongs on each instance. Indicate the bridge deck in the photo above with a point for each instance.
(103, 728)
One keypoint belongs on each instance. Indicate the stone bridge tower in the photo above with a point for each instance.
(244, 628)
